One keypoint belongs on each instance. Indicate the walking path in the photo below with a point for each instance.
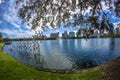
(112, 70)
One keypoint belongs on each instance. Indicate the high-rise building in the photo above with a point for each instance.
(111, 30)
(117, 30)
(43, 37)
(71, 34)
(96, 33)
(65, 35)
(54, 35)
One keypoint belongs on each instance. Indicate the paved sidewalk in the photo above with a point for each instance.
(112, 70)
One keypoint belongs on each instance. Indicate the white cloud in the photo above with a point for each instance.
(20, 33)
(6, 31)
(116, 24)
(27, 26)
(16, 25)
(25, 33)
(12, 19)
(11, 14)
(104, 7)
(1, 1)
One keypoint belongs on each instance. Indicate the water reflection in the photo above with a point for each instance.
(112, 44)
(65, 54)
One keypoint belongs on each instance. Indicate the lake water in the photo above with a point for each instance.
(73, 54)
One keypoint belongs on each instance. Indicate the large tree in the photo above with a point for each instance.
(45, 13)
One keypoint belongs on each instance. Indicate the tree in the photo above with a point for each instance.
(78, 32)
(1, 37)
(41, 13)
(94, 21)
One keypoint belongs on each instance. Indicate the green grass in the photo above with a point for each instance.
(1, 45)
(10, 69)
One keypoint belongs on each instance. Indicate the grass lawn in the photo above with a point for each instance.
(10, 69)
(1, 45)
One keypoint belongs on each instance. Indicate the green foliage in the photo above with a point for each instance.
(79, 32)
(40, 12)
(1, 45)
(94, 21)
(117, 8)
(91, 31)
(111, 36)
(6, 39)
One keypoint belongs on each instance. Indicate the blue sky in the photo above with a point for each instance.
(10, 23)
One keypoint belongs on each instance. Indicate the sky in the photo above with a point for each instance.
(10, 23)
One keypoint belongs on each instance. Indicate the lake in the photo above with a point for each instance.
(69, 54)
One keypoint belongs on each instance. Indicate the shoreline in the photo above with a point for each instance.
(55, 70)
(63, 38)
(15, 70)
(63, 71)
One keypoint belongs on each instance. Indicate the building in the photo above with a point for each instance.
(111, 30)
(102, 32)
(43, 37)
(96, 33)
(71, 34)
(65, 35)
(80, 34)
(106, 31)
(54, 35)
(117, 30)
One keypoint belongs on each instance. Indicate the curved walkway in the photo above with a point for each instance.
(112, 70)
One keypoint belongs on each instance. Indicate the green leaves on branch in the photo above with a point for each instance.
(38, 13)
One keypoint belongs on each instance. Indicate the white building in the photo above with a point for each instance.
(106, 31)
(96, 33)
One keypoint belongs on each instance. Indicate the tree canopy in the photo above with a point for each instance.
(45, 13)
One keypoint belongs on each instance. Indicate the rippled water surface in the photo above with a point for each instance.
(65, 54)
